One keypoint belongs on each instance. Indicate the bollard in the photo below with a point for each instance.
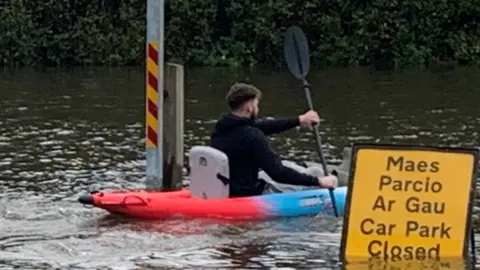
(173, 119)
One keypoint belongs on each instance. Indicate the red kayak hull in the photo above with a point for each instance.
(167, 205)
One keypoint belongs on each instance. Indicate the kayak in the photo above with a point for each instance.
(208, 196)
(172, 204)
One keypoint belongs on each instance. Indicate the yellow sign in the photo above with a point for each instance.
(427, 264)
(408, 202)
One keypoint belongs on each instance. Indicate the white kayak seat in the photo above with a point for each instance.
(209, 173)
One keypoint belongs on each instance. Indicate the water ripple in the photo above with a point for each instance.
(63, 133)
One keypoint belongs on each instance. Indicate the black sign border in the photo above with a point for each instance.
(406, 147)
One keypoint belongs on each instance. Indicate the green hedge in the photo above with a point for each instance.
(387, 33)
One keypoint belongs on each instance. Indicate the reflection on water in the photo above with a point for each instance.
(65, 132)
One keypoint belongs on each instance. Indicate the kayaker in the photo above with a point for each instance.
(243, 139)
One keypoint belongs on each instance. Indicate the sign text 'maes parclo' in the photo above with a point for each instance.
(409, 202)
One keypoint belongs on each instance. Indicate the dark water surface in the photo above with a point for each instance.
(63, 133)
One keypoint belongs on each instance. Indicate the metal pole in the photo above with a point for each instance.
(154, 89)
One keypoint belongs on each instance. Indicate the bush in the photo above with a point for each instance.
(238, 33)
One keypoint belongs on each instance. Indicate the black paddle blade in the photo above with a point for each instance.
(295, 49)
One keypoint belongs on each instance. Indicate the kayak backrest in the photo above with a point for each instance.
(209, 173)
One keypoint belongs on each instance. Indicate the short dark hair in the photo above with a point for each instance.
(241, 93)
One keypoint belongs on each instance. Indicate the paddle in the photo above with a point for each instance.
(297, 56)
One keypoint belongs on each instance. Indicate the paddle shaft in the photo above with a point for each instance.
(318, 140)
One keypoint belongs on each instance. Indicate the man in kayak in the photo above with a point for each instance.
(243, 139)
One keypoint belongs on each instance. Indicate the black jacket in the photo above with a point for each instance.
(245, 143)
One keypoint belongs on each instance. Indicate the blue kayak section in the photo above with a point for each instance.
(307, 202)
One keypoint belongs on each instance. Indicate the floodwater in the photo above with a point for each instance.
(66, 132)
